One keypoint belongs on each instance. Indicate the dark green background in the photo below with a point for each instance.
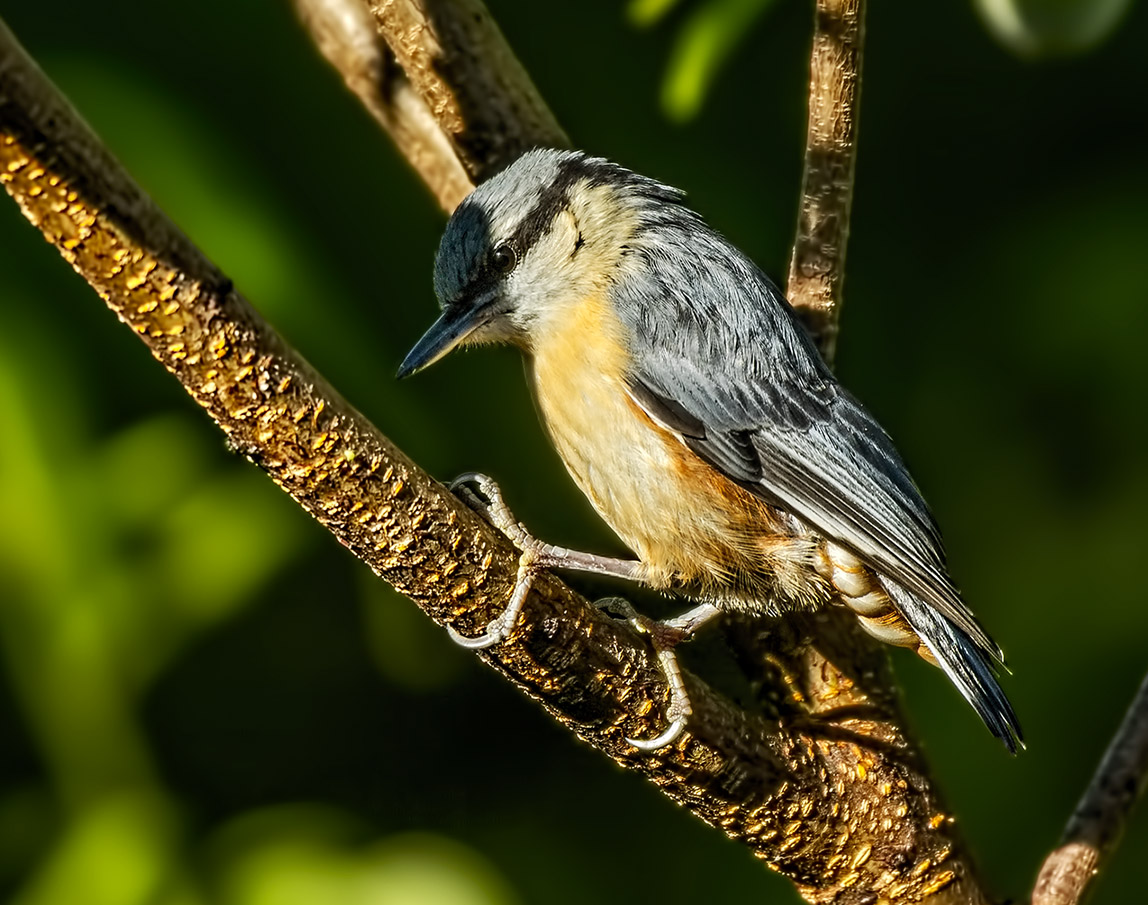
(207, 700)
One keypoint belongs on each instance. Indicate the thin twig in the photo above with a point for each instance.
(1098, 821)
(817, 266)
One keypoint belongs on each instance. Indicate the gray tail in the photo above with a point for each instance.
(969, 666)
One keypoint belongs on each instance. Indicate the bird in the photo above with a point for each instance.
(694, 411)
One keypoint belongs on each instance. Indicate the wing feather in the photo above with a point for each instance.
(720, 359)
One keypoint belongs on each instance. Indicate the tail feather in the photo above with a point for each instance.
(971, 667)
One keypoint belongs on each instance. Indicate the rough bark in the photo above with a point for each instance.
(460, 64)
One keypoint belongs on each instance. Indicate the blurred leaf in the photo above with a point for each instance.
(647, 12)
(422, 869)
(150, 466)
(35, 381)
(304, 855)
(1036, 28)
(705, 43)
(28, 820)
(223, 542)
(119, 851)
(112, 555)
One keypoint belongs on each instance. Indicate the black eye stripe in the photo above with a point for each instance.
(554, 198)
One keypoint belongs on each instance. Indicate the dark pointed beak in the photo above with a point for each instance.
(452, 327)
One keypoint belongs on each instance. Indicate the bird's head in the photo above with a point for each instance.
(542, 235)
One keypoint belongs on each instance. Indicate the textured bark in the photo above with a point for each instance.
(441, 79)
(825, 787)
(460, 64)
(817, 266)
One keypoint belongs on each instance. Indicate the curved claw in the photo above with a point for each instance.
(534, 556)
(461, 489)
(469, 477)
(493, 508)
(481, 642)
(679, 710)
(499, 629)
(653, 744)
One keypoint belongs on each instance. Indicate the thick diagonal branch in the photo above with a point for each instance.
(833, 799)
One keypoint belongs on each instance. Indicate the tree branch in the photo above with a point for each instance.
(460, 64)
(817, 266)
(832, 796)
(345, 34)
(441, 80)
(1098, 821)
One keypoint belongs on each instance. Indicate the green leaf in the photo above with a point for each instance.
(648, 12)
(705, 43)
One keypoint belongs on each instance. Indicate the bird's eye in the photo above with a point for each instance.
(503, 259)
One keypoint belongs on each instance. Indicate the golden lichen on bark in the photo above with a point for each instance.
(832, 798)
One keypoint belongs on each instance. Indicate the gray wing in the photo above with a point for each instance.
(720, 359)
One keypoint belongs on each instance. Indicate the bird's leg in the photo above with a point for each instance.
(547, 556)
(536, 556)
(665, 636)
(682, 628)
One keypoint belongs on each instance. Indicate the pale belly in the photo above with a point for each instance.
(625, 468)
(691, 528)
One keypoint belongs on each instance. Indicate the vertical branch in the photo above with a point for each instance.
(1096, 824)
(833, 673)
(817, 267)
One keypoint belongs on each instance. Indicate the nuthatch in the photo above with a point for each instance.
(696, 414)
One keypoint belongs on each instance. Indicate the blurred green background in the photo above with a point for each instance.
(205, 699)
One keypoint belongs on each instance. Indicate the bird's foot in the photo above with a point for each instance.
(500, 627)
(542, 555)
(664, 636)
(534, 556)
(488, 503)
